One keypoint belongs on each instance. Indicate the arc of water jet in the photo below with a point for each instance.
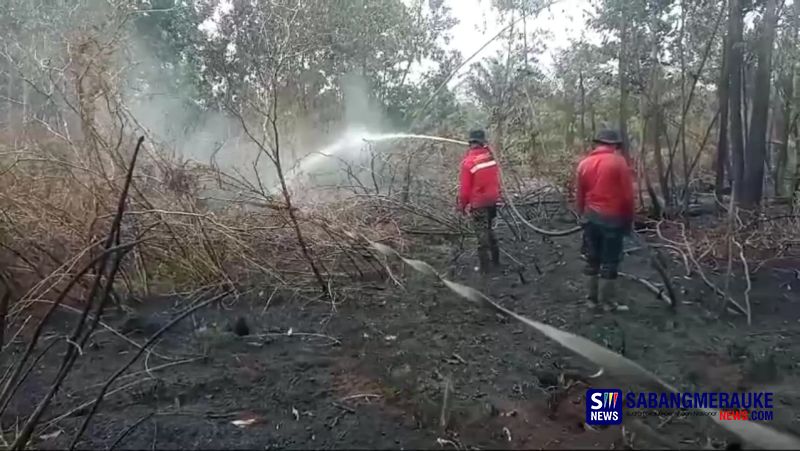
(352, 139)
(386, 137)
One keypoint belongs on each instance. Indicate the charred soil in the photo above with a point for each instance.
(418, 367)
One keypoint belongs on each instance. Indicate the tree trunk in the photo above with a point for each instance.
(794, 154)
(663, 179)
(25, 106)
(10, 95)
(505, 90)
(722, 141)
(641, 167)
(654, 117)
(792, 161)
(583, 110)
(405, 195)
(684, 111)
(757, 140)
(746, 94)
(786, 166)
(623, 86)
(793, 157)
(783, 184)
(735, 24)
(569, 130)
(669, 172)
(499, 135)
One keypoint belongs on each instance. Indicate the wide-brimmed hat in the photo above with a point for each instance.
(477, 136)
(608, 136)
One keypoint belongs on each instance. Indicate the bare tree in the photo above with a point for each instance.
(257, 79)
(753, 181)
(736, 43)
(722, 138)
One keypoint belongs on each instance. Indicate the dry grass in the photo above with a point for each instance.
(55, 208)
(765, 238)
(60, 181)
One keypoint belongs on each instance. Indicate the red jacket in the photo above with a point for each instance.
(480, 179)
(605, 185)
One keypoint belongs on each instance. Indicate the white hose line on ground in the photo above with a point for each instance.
(538, 230)
(750, 432)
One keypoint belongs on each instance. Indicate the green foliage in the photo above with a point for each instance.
(654, 64)
(312, 48)
(168, 31)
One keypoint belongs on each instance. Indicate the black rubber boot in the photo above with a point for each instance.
(484, 262)
(495, 254)
(608, 296)
(592, 284)
(494, 248)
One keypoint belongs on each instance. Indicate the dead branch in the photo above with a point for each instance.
(659, 292)
(130, 429)
(22, 439)
(747, 279)
(690, 254)
(12, 379)
(136, 356)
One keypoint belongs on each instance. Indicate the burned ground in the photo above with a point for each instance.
(375, 373)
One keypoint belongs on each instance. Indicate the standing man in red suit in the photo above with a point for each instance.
(605, 201)
(479, 194)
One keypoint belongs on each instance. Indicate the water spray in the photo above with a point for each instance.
(350, 140)
(388, 136)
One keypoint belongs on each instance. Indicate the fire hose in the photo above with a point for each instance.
(751, 432)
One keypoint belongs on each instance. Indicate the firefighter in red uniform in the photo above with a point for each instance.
(479, 194)
(605, 202)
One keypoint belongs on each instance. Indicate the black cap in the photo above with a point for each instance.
(477, 136)
(608, 136)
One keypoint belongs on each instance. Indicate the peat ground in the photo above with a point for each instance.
(374, 374)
